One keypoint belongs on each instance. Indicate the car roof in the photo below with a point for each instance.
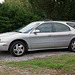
(56, 21)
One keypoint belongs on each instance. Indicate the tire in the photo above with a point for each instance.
(72, 45)
(17, 48)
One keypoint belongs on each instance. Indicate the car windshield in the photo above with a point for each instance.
(27, 28)
(72, 25)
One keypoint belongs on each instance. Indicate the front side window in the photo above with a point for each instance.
(46, 27)
(72, 25)
(60, 27)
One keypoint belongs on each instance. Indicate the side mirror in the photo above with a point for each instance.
(36, 31)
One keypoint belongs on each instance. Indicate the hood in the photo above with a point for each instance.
(8, 34)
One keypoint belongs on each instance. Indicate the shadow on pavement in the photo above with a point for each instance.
(38, 51)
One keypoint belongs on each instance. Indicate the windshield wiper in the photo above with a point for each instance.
(18, 31)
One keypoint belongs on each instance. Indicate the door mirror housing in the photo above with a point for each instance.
(36, 31)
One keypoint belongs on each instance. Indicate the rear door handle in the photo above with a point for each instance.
(49, 35)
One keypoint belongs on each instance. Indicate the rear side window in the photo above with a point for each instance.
(72, 25)
(60, 27)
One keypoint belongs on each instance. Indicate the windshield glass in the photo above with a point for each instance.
(28, 27)
(72, 25)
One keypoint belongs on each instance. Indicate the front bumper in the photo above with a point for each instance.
(3, 48)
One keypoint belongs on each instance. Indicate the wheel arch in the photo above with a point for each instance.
(19, 40)
(71, 41)
(69, 47)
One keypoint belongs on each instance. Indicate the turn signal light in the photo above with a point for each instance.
(4, 45)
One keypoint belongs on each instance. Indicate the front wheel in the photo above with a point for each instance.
(72, 46)
(17, 48)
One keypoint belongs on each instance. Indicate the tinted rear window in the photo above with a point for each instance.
(72, 25)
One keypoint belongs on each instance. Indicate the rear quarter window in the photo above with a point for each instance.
(72, 25)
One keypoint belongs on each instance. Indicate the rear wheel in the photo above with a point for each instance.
(17, 48)
(72, 46)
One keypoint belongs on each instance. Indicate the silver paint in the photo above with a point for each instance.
(39, 41)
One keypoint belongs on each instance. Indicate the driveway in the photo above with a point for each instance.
(33, 54)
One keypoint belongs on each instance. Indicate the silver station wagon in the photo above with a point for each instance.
(39, 35)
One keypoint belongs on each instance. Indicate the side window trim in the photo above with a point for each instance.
(53, 27)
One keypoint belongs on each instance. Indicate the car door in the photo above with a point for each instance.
(42, 39)
(61, 35)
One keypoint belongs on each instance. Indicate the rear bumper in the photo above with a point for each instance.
(3, 48)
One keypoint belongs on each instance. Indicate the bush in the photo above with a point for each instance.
(15, 16)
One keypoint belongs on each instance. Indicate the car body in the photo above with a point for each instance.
(40, 35)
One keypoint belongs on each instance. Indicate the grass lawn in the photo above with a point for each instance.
(66, 63)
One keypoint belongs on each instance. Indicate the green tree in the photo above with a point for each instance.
(15, 16)
(55, 9)
(44, 6)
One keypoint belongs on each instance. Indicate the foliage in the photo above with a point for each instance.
(55, 9)
(13, 16)
(19, 2)
(17, 13)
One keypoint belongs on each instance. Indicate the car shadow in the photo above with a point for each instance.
(38, 51)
